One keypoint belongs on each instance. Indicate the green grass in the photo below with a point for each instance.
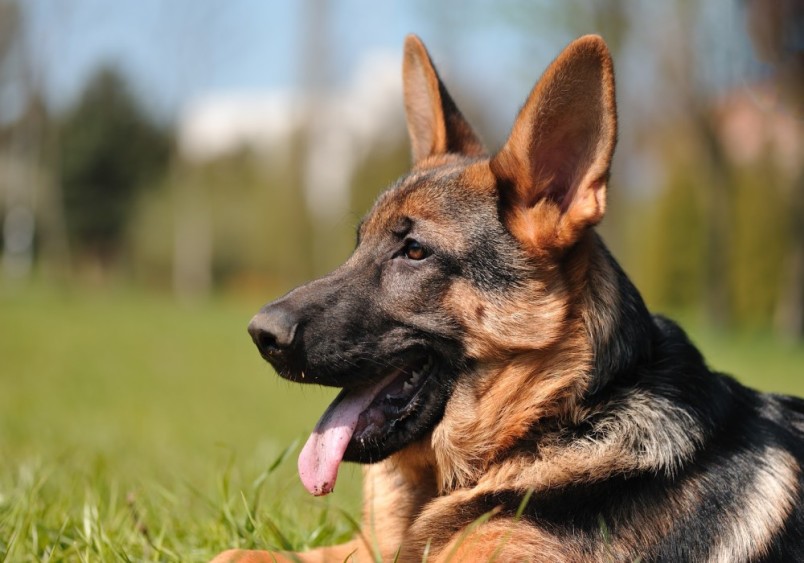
(132, 427)
(136, 428)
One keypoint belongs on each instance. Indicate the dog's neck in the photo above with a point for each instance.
(606, 337)
(617, 321)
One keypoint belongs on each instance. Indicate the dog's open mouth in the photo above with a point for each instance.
(360, 419)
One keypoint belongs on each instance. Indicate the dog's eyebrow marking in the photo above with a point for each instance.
(403, 227)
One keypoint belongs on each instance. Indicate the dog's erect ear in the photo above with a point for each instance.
(553, 169)
(435, 124)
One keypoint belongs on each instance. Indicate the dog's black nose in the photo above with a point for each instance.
(273, 330)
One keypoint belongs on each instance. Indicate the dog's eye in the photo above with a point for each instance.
(414, 251)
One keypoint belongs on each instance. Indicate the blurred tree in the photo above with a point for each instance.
(31, 216)
(761, 237)
(315, 58)
(109, 149)
(690, 79)
(10, 24)
(790, 307)
(776, 28)
(674, 257)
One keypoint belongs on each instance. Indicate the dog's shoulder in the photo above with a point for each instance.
(678, 367)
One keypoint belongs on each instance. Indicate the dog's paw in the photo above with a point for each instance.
(250, 556)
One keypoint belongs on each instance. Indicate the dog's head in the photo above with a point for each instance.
(465, 267)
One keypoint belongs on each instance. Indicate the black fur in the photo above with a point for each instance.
(739, 427)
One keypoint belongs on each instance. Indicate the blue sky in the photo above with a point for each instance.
(490, 53)
(177, 50)
(174, 51)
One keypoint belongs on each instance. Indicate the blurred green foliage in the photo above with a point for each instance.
(673, 265)
(109, 148)
(761, 243)
(710, 228)
(669, 259)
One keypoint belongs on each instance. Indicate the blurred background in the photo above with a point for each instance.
(168, 167)
(193, 148)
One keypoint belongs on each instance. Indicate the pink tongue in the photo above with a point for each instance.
(322, 454)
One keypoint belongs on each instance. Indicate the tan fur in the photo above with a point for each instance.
(354, 551)
(420, 203)
(766, 502)
(478, 425)
(636, 443)
(479, 178)
(504, 541)
(394, 492)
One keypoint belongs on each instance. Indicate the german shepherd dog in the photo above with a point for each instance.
(502, 380)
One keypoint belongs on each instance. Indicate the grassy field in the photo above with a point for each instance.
(132, 427)
(135, 428)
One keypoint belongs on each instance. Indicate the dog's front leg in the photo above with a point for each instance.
(352, 551)
(394, 492)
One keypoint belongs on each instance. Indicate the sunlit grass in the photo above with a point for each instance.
(136, 428)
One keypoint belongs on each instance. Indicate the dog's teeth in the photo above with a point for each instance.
(406, 387)
(388, 396)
